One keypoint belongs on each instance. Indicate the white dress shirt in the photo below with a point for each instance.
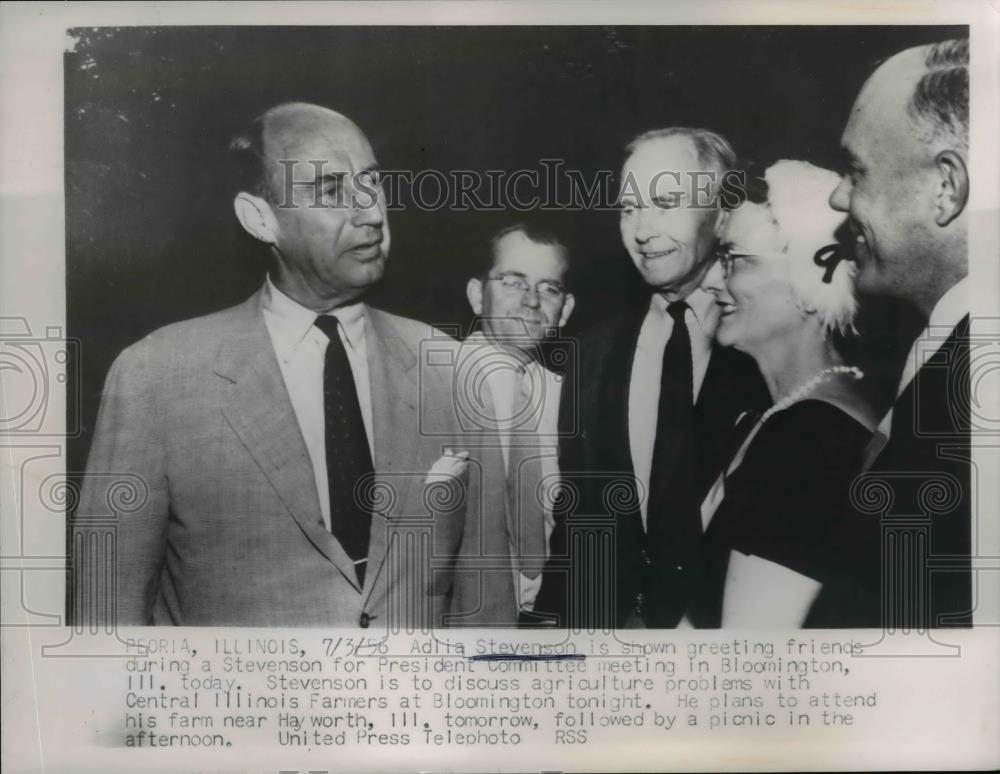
(505, 377)
(301, 351)
(701, 318)
(947, 313)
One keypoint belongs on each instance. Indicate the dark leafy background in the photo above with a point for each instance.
(150, 234)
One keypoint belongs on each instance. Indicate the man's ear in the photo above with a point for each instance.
(256, 217)
(953, 187)
(568, 304)
(474, 292)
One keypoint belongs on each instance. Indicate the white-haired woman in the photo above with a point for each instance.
(774, 515)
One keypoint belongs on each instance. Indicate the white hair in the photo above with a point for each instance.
(798, 197)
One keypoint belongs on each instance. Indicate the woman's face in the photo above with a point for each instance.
(751, 283)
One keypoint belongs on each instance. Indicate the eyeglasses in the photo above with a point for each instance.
(827, 258)
(514, 284)
(729, 259)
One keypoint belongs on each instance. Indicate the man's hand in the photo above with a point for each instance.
(448, 466)
(445, 490)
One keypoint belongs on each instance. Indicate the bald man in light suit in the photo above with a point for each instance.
(281, 440)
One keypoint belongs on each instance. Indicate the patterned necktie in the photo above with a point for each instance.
(524, 476)
(348, 457)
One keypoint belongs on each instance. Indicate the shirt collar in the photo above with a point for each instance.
(951, 307)
(293, 322)
(702, 306)
(479, 339)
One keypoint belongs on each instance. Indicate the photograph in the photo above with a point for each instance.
(681, 293)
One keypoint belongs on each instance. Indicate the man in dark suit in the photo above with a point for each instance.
(906, 187)
(653, 401)
(276, 448)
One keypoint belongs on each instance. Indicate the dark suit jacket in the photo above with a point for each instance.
(199, 506)
(595, 577)
(909, 534)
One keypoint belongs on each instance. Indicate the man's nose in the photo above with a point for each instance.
(840, 199)
(368, 211)
(531, 298)
(643, 225)
(715, 279)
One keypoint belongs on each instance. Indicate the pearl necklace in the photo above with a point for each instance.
(823, 376)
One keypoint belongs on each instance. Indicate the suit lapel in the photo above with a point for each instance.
(732, 384)
(258, 408)
(393, 381)
(949, 363)
(617, 380)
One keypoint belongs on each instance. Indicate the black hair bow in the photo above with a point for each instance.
(828, 256)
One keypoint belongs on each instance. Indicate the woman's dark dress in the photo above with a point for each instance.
(787, 501)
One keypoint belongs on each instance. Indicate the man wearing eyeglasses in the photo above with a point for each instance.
(522, 303)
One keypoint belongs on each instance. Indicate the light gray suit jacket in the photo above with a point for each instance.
(225, 527)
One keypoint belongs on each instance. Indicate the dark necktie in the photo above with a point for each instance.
(673, 518)
(348, 458)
